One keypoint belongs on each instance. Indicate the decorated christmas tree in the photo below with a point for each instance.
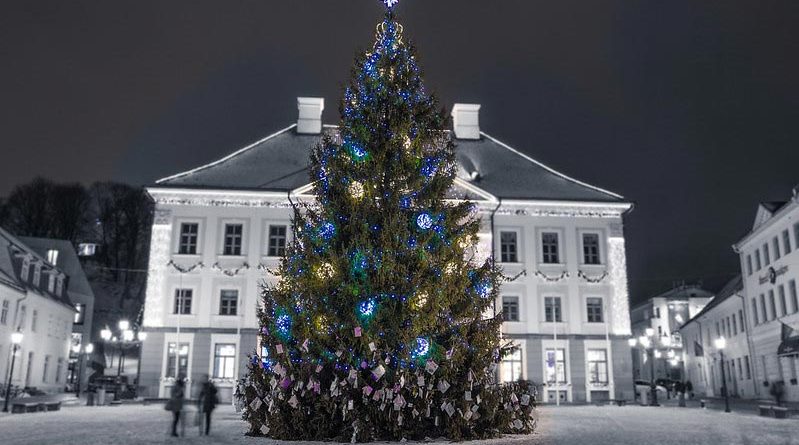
(382, 325)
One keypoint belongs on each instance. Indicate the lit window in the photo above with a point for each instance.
(552, 309)
(556, 365)
(597, 366)
(189, 233)
(549, 246)
(591, 248)
(510, 308)
(511, 366)
(80, 313)
(233, 236)
(224, 361)
(228, 302)
(593, 308)
(172, 358)
(277, 241)
(508, 246)
(52, 256)
(183, 301)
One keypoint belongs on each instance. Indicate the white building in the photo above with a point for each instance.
(665, 314)
(33, 301)
(726, 317)
(220, 227)
(770, 267)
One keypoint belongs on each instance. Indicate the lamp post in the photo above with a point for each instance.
(87, 350)
(720, 344)
(127, 337)
(16, 339)
(647, 342)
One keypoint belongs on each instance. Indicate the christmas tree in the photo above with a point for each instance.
(382, 324)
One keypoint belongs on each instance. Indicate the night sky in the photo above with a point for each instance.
(688, 108)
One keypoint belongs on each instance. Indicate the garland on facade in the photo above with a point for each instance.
(551, 279)
(182, 269)
(588, 279)
(231, 272)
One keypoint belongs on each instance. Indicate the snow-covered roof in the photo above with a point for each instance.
(279, 162)
(67, 262)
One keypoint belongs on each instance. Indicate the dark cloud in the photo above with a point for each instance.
(686, 107)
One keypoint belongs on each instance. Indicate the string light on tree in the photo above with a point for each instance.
(356, 190)
(424, 221)
(390, 3)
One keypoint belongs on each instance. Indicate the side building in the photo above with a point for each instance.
(665, 314)
(34, 302)
(220, 228)
(769, 256)
(62, 254)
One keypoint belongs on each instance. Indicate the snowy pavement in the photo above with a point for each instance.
(137, 424)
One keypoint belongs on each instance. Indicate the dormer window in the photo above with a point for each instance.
(25, 270)
(51, 283)
(37, 274)
(59, 285)
(52, 256)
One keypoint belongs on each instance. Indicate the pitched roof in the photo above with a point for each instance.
(280, 161)
(67, 261)
(9, 244)
(731, 288)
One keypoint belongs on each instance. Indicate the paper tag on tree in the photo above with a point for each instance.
(305, 345)
(255, 404)
(443, 386)
(467, 396)
(350, 405)
(431, 366)
(525, 399)
(293, 401)
(279, 348)
(378, 372)
(357, 331)
(264, 430)
(372, 346)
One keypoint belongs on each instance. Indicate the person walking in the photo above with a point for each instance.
(175, 403)
(208, 401)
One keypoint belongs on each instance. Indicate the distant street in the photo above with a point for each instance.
(136, 424)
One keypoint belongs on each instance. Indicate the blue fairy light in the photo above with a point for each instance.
(367, 308)
(357, 150)
(429, 167)
(327, 230)
(405, 202)
(390, 3)
(283, 325)
(424, 221)
(422, 348)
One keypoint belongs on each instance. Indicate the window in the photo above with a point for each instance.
(172, 358)
(277, 241)
(34, 320)
(37, 274)
(718, 330)
(775, 244)
(741, 320)
(786, 241)
(188, 238)
(549, 246)
(734, 325)
(233, 235)
(4, 312)
(508, 247)
(772, 304)
(660, 331)
(45, 368)
(754, 311)
(591, 248)
(657, 312)
(228, 302)
(183, 301)
(597, 366)
(748, 368)
(593, 307)
(796, 236)
(793, 295)
(80, 309)
(552, 309)
(51, 283)
(763, 308)
(52, 256)
(758, 266)
(740, 369)
(224, 361)
(556, 365)
(510, 308)
(749, 264)
(59, 285)
(511, 366)
(58, 369)
(22, 314)
(25, 269)
(766, 256)
(783, 302)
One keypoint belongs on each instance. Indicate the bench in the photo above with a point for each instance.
(618, 402)
(34, 407)
(52, 406)
(780, 412)
(764, 410)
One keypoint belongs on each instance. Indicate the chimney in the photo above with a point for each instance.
(310, 117)
(466, 121)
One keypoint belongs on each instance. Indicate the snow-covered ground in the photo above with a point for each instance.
(136, 424)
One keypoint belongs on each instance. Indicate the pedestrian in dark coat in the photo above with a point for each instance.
(175, 403)
(208, 401)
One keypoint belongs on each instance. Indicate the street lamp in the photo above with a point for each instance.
(87, 351)
(647, 342)
(16, 339)
(128, 335)
(720, 344)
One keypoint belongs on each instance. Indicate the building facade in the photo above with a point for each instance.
(62, 254)
(33, 301)
(769, 256)
(221, 228)
(665, 314)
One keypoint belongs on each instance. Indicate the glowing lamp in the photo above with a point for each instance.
(650, 332)
(89, 348)
(141, 336)
(127, 335)
(16, 337)
(124, 325)
(720, 343)
(632, 342)
(105, 334)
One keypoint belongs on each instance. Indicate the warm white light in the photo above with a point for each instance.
(666, 341)
(721, 343)
(645, 342)
(617, 276)
(160, 242)
(650, 332)
(89, 348)
(657, 354)
(142, 336)
(16, 338)
(674, 362)
(632, 342)
(356, 190)
(127, 335)
(76, 349)
(124, 325)
(105, 334)
(670, 353)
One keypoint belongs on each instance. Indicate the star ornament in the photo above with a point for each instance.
(390, 3)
